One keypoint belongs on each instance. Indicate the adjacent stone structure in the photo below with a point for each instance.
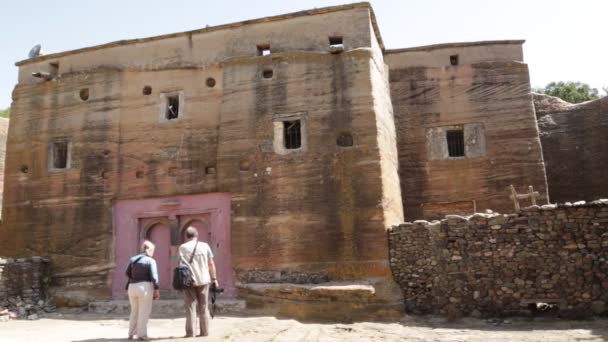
(23, 286)
(492, 264)
(480, 94)
(574, 138)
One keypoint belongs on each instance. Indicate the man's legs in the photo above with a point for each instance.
(190, 306)
(202, 293)
(145, 308)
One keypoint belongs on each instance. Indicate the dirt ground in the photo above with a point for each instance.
(95, 327)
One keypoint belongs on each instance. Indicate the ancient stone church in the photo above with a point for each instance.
(291, 142)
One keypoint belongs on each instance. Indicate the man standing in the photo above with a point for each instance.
(203, 274)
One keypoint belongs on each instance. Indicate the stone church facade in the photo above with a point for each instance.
(291, 142)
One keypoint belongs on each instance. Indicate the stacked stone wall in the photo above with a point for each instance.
(491, 264)
(23, 284)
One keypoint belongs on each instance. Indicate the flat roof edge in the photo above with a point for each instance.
(279, 17)
(456, 45)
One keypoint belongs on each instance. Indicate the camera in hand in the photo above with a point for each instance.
(217, 289)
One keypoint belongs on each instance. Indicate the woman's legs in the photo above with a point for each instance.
(134, 302)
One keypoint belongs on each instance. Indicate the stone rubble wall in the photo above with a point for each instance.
(23, 284)
(552, 256)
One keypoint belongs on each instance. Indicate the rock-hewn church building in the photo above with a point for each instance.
(291, 142)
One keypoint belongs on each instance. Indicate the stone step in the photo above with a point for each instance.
(330, 291)
(164, 307)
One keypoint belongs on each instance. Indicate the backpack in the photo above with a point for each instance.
(128, 272)
(182, 276)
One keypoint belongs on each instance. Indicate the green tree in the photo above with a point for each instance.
(5, 113)
(573, 92)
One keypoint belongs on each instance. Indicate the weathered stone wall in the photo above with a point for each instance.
(311, 212)
(3, 135)
(574, 138)
(23, 284)
(492, 264)
(487, 94)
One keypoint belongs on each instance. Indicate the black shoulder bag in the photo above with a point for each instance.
(128, 272)
(182, 276)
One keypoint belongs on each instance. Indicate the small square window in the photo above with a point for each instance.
(264, 50)
(292, 134)
(172, 109)
(333, 41)
(455, 140)
(59, 155)
(454, 59)
(336, 45)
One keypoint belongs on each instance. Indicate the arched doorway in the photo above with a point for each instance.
(160, 235)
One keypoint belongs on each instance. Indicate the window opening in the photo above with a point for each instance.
(264, 50)
(172, 107)
(292, 134)
(147, 90)
(455, 141)
(210, 82)
(335, 41)
(454, 59)
(335, 44)
(60, 155)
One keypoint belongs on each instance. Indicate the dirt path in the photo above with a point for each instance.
(91, 327)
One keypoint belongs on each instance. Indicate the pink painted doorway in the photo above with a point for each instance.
(163, 221)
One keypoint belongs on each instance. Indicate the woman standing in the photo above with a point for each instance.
(142, 289)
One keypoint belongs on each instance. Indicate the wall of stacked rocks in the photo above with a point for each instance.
(23, 284)
(553, 257)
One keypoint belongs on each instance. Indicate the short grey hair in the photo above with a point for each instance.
(147, 246)
(191, 232)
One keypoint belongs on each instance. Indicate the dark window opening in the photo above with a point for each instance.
(292, 134)
(345, 140)
(454, 59)
(139, 174)
(84, 94)
(455, 143)
(336, 45)
(25, 169)
(172, 107)
(60, 155)
(147, 90)
(335, 41)
(267, 73)
(210, 82)
(264, 50)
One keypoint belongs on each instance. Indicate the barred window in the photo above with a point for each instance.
(172, 110)
(455, 139)
(292, 134)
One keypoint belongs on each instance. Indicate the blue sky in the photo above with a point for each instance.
(566, 39)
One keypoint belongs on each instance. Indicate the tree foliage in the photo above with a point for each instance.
(573, 92)
(5, 113)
